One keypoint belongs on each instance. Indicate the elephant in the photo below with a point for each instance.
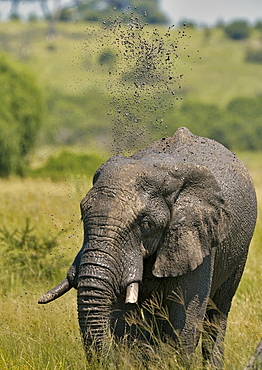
(173, 221)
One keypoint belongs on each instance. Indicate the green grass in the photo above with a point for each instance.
(47, 337)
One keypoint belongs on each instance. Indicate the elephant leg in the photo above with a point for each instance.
(187, 307)
(216, 321)
(213, 336)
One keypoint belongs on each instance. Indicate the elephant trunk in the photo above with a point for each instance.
(94, 308)
(94, 317)
(97, 291)
(101, 279)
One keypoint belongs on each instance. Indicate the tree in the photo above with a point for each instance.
(94, 10)
(21, 115)
(237, 30)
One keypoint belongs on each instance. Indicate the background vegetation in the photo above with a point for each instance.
(86, 82)
(75, 96)
(21, 113)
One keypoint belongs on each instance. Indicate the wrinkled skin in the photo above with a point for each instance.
(175, 220)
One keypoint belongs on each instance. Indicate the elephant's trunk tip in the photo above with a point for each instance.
(56, 292)
(132, 293)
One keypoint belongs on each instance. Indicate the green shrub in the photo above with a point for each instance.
(26, 255)
(258, 25)
(254, 55)
(91, 16)
(244, 123)
(76, 119)
(10, 161)
(187, 23)
(66, 15)
(21, 115)
(237, 30)
(68, 164)
(238, 126)
(202, 119)
(107, 56)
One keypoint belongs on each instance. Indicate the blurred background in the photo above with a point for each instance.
(66, 83)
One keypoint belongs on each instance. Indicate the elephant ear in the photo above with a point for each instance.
(200, 220)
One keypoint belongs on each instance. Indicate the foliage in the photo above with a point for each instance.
(21, 113)
(26, 254)
(237, 30)
(68, 164)
(76, 120)
(254, 55)
(66, 15)
(258, 25)
(94, 10)
(188, 22)
(243, 119)
(238, 126)
(82, 97)
(107, 56)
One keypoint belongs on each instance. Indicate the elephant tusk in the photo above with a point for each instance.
(56, 292)
(132, 293)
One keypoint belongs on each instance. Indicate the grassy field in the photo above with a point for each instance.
(47, 337)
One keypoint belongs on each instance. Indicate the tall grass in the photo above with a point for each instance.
(47, 337)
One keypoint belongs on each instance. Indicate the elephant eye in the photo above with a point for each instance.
(146, 226)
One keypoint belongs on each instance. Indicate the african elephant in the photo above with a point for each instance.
(173, 220)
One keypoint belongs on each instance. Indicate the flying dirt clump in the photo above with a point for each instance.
(139, 70)
(143, 81)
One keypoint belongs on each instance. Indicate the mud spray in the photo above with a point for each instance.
(143, 80)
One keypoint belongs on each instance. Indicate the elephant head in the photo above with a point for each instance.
(140, 208)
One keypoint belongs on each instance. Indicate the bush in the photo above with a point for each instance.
(68, 164)
(202, 119)
(244, 123)
(66, 15)
(21, 113)
(254, 55)
(258, 26)
(27, 255)
(91, 16)
(237, 30)
(238, 126)
(107, 56)
(76, 119)
(187, 23)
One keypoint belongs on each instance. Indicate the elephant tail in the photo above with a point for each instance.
(56, 292)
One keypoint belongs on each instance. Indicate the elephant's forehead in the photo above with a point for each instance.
(125, 175)
(116, 189)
